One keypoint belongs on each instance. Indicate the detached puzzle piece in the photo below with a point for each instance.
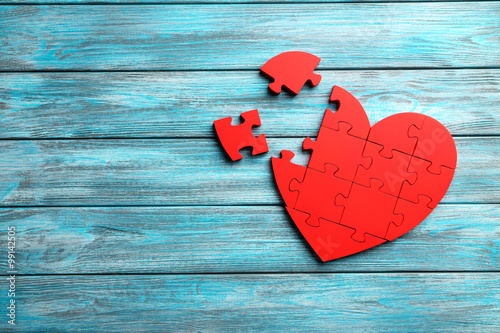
(392, 172)
(349, 111)
(292, 70)
(392, 133)
(330, 240)
(338, 148)
(413, 214)
(428, 184)
(434, 144)
(317, 194)
(284, 172)
(234, 138)
(368, 211)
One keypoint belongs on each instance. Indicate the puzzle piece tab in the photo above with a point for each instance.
(337, 148)
(284, 172)
(330, 240)
(434, 144)
(317, 194)
(350, 111)
(428, 184)
(368, 210)
(392, 172)
(413, 214)
(292, 70)
(392, 133)
(234, 138)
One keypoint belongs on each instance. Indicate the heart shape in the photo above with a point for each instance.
(365, 185)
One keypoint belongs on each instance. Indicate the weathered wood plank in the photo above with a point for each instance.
(460, 302)
(186, 2)
(184, 104)
(385, 35)
(234, 239)
(186, 172)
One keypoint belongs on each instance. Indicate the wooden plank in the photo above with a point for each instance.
(186, 172)
(184, 2)
(246, 239)
(184, 104)
(156, 37)
(433, 302)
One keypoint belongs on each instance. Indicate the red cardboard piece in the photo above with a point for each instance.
(292, 70)
(233, 138)
(318, 192)
(434, 144)
(350, 111)
(427, 183)
(368, 210)
(339, 149)
(285, 171)
(392, 172)
(392, 133)
(412, 214)
(331, 240)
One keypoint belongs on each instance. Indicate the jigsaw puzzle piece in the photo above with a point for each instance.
(434, 144)
(368, 211)
(392, 172)
(292, 70)
(331, 240)
(337, 148)
(350, 111)
(234, 138)
(392, 133)
(284, 172)
(317, 194)
(413, 214)
(429, 184)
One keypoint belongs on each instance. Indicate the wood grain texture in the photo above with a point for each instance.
(205, 244)
(234, 239)
(186, 172)
(404, 302)
(384, 35)
(195, 2)
(182, 104)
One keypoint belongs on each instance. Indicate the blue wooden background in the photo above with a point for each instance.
(129, 216)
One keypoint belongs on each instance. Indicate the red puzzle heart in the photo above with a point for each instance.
(364, 186)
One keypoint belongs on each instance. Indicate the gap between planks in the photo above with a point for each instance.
(197, 3)
(246, 69)
(166, 138)
(382, 272)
